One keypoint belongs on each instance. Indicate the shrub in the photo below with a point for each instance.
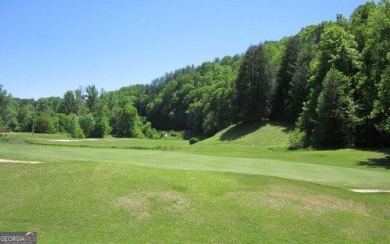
(45, 123)
(102, 127)
(296, 139)
(193, 140)
(150, 132)
(77, 131)
(87, 123)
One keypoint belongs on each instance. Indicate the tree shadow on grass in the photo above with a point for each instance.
(240, 130)
(377, 162)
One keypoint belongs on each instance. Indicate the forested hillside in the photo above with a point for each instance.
(331, 80)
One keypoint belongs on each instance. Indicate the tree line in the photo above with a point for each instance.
(330, 80)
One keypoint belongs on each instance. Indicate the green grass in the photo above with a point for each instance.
(241, 185)
(270, 141)
(85, 202)
(344, 175)
(260, 135)
(109, 142)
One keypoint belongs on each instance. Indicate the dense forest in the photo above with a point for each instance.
(331, 81)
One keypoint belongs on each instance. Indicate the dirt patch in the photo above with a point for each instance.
(19, 161)
(370, 191)
(144, 205)
(297, 201)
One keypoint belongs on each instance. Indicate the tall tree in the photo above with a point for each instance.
(336, 50)
(126, 122)
(76, 130)
(284, 79)
(45, 123)
(80, 101)
(87, 123)
(375, 35)
(5, 101)
(26, 115)
(360, 23)
(334, 126)
(69, 104)
(255, 85)
(381, 109)
(92, 96)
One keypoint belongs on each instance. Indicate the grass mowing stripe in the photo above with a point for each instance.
(358, 177)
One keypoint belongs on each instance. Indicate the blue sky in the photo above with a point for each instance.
(48, 47)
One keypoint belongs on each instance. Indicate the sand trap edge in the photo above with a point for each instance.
(19, 161)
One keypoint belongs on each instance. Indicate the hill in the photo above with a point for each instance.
(261, 135)
(270, 141)
(245, 140)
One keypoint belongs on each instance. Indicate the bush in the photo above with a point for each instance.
(87, 123)
(77, 131)
(150, 132)
(193, 140)
(296, 139)
(64, 123)
(45, 123)
(102, 127)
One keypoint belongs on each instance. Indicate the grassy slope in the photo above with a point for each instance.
(271, 142)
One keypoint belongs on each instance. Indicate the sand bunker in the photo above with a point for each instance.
(19, 161)
(65, 140)
(370, 191)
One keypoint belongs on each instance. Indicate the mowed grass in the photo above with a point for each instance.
(241, 185)
(91, 202)
(271, 141)
(341, 176)
(109, 142)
